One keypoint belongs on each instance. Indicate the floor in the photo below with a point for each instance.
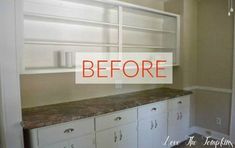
(200, 143)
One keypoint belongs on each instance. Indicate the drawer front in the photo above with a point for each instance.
(179, 103)
(57, 133)
(152, 109)
(116, 119)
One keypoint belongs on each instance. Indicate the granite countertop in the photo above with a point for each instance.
(59, 113)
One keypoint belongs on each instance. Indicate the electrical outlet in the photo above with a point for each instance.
(218, 120)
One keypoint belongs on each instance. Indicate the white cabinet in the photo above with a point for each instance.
(128, 136)
(152, 130)
(57, 145)
(120, 137)
(148, 126)
(179, 119)
(119, 130)
(87, 141)
(76, 134)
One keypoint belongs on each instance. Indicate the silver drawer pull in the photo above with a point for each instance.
(180, 102)
(70, 130)
(156, 125)
(154, 109)
(120, 136)
(118, 118)
(152, 125)
(115, 137)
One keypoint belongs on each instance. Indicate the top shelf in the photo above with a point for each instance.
(64, 19)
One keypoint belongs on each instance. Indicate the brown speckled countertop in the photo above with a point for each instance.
(59, 113)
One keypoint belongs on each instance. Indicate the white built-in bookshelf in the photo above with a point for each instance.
(53, 27)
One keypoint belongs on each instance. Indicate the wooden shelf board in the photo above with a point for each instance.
(147, 29)
(66, 19)
(40, 42)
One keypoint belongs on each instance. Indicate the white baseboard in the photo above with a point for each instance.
(207, 132)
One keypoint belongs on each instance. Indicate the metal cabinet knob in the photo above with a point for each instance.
(180, 102)
(70, 130)
(154, 109)
(118, 118)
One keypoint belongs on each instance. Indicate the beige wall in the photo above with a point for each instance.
(210, 105)
(37, 90)
(215, 43)
(206, 57)
(215, 50)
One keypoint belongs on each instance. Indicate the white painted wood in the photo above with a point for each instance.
(116, 119)
(232, 121)
(152, 132)
(120, 137)
(147, 29)
(66, 19)
(128, 136)
(60, 132)
(58, 145)
(107, 138)
(153, 109)
(87, 141)
(104, 26)
(9, 77)
(179, 103)
(120, 130)
(160, 131)
(178, 119)
(145, 136)
(62, 43)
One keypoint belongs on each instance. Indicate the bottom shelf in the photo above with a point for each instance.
(47, 70)
(50, 70)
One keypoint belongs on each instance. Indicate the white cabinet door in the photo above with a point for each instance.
(128, 136)
(120, 137)
(153, 132)
(178, 125)
(145, 136)
(159, 131)
(87, 141)
(107, 138)
(57, 145)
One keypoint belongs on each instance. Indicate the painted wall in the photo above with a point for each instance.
(215, 56)
(206, 55)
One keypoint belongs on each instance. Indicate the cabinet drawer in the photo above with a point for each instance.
(152, 109)
(116, 119)
(179, 103)
(56, 133)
